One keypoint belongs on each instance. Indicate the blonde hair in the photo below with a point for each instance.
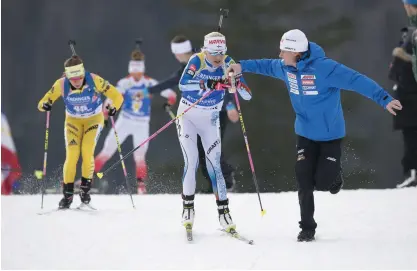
(214, 34)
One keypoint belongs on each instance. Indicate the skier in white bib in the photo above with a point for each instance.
(134, 117)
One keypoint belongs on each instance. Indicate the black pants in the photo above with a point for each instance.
(226, 168)
(409, 160)
(317, 167)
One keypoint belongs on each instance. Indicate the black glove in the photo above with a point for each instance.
(47, 106)
(106, 122)
(211, 84)
(112, 111)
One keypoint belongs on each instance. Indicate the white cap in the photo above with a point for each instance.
(295, 41)
(215, 42)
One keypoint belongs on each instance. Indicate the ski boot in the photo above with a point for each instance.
(141, 187)
(337, 185)
(306, 236)
(68, 191)
(410, 179)
(224, 215)
(188, 212)
(85, 190)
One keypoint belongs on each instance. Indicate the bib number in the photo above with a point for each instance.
(80, 108)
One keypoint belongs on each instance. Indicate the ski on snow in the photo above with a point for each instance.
(234, 234)
(82, 207)
(189, 231)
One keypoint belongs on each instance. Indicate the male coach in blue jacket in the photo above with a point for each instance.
(314, 82)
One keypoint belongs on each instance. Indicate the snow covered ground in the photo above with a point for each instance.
(369, 229)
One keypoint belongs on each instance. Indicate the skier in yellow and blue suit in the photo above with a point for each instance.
(81, 92)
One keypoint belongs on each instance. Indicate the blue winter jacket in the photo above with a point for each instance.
(314, 88)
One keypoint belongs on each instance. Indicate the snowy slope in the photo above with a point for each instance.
(357, 229)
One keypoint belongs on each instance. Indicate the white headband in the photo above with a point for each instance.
(136, 66)
(181, 48)
(215, 44)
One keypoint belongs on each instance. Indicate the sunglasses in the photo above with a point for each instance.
(76, 78)
(217, 53)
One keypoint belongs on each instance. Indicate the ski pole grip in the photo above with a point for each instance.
(232, 82)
